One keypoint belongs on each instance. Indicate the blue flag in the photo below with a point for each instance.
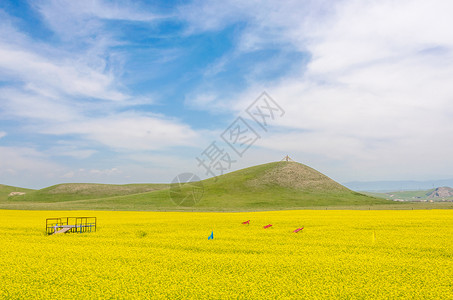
(211, 237)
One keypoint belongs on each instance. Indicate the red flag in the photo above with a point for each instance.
(246, 222)
(267, 226)
(298, 229)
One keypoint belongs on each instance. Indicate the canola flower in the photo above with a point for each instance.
(136, 255)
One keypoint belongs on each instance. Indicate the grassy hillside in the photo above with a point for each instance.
(278, 185)
(6, 190)
(85, 191)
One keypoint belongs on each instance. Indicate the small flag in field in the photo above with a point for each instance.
(298, 229)
(246, 222)
(211, 237)
(267, 226)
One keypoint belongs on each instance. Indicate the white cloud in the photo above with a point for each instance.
(2, 134)
(376, 91)
(268, 24)
(25, 166)
(17, 104)
(66, 77)
(374, 98)
(70, 174)
(106, 172)
(130, 131)
(71, 151)
(52, 87)
(56, 71)
(83, 18)
(59, 87)
(126, 173)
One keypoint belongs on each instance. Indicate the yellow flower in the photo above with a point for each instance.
(159, 255)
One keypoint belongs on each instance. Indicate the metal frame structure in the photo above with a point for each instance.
(287, 158)
(70, 224)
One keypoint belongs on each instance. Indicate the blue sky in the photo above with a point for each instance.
(134, 91)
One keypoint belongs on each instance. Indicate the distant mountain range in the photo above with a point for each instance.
(441, 192)
(390, 186)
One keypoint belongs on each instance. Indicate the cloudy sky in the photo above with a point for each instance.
(124, 92)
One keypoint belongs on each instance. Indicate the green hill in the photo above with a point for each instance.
(84, 191)
(278, 185)
(6, 192)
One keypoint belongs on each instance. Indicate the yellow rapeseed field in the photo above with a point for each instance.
(338, 254)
